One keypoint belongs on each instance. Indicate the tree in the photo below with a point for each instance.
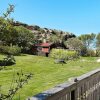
(98, 45)
(74, 44)
(54, 39)
(25, 37)
(98, 41)
(7, 31)
(88, 40)
(14, 35)
(9, 10)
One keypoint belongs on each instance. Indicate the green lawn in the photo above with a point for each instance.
(46, 73)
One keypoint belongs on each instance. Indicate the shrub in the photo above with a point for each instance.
(63, 54)
(98, 52)
(72, 54)
(91, 53)
(12, 50)
(9, 60)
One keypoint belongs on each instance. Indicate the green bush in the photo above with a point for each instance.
(63, 54)
(72, 54)
(7, 61)
(98, 52)
(91, 53)
(12, 50)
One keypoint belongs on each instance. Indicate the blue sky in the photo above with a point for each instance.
(76, 16)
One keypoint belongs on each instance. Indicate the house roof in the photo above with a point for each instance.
(45, 44)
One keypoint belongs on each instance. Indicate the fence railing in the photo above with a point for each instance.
(85, 87)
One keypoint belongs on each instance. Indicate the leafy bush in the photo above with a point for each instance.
(72, 54)
(98, 52)
(7, 61)
(91, 53)
(13, 50)
(63, 54)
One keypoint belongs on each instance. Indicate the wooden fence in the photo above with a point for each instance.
(85, 87)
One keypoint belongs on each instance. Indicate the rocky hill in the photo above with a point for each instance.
(45, 33)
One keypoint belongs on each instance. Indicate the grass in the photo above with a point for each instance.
(46, 73)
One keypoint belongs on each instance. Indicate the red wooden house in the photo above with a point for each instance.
(42, 49)
(45, 47)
